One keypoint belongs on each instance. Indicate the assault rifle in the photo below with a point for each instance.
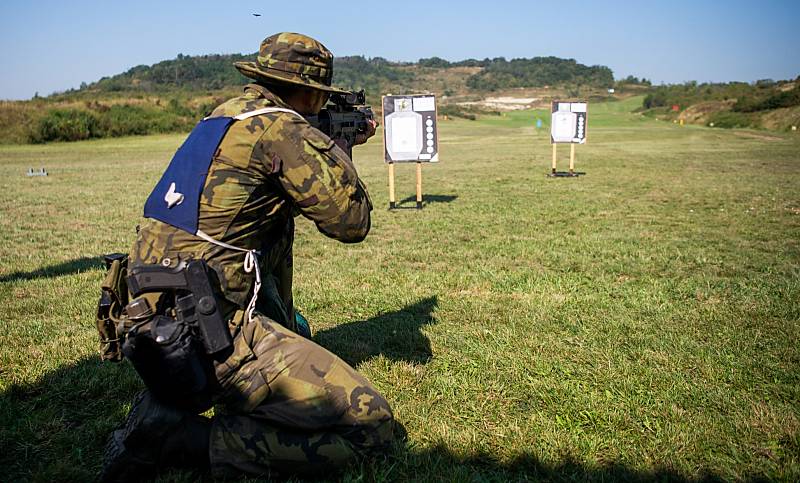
(345, 117)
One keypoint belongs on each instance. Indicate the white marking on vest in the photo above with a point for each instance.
(172, 197)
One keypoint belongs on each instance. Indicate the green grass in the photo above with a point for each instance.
(638, 322)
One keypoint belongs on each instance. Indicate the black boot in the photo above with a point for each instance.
(155, 436)
(187, 447)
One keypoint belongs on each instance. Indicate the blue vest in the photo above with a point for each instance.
(176, 198)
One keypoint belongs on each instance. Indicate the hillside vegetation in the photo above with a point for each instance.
(537, 72)
(171, 95)
(764, 104)
(214, 72)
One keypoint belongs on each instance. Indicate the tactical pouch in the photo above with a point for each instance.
(113, 299)
(168, 358)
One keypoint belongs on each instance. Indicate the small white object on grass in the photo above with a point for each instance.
(39, 172)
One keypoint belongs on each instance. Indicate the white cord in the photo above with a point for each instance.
(250, 264)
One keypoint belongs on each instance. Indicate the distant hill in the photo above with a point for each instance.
(215, 72)
(171, 95)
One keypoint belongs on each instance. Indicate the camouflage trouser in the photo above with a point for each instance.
(288, 405)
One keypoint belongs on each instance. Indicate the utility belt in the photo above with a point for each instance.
(171, 329)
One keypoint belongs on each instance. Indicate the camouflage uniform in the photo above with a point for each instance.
(284, 403)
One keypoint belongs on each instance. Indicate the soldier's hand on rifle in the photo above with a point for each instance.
(361, 138)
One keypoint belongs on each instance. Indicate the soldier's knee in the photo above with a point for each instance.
(375, 428)
(384, 431)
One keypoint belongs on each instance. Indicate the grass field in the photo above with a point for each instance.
(639, 322)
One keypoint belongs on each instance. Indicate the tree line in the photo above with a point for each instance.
(214, 72)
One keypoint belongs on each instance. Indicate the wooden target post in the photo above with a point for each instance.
(553, 171)
(419, 185)
(568, 125)
(409, 135)
(572, 159)
(391, 185)
(392, 202)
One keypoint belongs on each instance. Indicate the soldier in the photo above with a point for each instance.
(282, 403)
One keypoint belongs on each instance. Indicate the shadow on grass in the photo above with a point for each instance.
(427, 199)
(65, 268)
(566, 174)
(55, 429)
(441, 464)
(395, 335)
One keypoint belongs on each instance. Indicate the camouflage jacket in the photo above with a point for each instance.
(267, 169)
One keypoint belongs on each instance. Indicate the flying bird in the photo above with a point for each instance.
(256, 15)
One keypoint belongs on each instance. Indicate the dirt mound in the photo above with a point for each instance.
(700, 113)
(504, 103)
(782, 119)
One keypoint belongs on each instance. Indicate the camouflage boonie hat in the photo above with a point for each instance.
(290, 58)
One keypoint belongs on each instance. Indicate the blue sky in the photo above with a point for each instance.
(52, 46)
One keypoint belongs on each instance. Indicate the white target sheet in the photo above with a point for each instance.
(410, 128)
(568, 122)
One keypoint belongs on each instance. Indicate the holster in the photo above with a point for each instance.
(172, 331)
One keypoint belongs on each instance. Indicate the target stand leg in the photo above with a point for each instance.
(419, 185)
(392, 204)
(572, 159)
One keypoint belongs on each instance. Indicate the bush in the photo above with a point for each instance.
(127, 120)
(113, 121)
(434, 62)
(656, 99)
(174, 106)
(729, 119)
(775, 101)
(66, 125)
